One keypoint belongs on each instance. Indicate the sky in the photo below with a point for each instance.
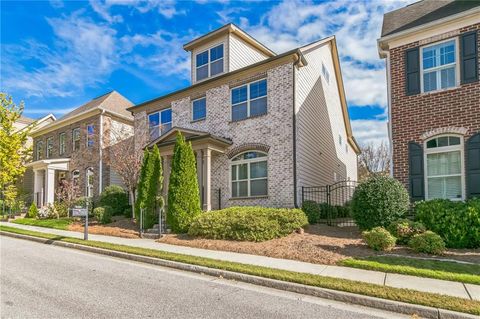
(57, 55)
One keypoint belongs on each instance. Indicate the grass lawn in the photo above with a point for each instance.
(397, 294)
(61, 223)
(446, 270)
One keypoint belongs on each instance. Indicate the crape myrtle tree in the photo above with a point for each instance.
(183, 195)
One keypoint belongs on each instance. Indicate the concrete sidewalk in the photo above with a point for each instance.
(456, 289)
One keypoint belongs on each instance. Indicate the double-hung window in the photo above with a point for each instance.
(199, 109)
(62, 146)
(159, 123)
(90, 135)
(89, 182)
(444, 167)
(249, 175)
(49, 147)
(39, 150)
(209, 62)
(76, 139)
(439, 66)
(249, 100)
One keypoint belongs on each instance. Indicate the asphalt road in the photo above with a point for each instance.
(41, 281)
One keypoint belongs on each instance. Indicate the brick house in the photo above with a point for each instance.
(432, 57)
(76, 146)
(261, 124)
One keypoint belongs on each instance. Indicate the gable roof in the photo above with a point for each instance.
(25, 120)
(226, 29)
(189, 134)
(423, 12)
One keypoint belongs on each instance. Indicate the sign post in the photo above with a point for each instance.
(82, 212)
(85, 234)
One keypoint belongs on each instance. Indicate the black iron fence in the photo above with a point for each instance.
(332, 202)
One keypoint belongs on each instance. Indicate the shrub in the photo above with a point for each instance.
(115, 197)
(32, 211)
(49, 211)
(82, 202)
(61, 208)
(127, 212)
(404, 229)
(457, 222)
(312, 210)
(248, 223)
(378, 202)
(183, 195)
(379, 239)
(103, 214)
(428, 242)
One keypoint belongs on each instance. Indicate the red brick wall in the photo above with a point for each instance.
(411, 116)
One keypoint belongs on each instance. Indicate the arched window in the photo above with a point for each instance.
(75, 176)
(249, 175)
(89, 182)
(444, 176)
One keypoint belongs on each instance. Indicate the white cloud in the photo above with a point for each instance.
(167, 8)
(370, 131)
(103, 10)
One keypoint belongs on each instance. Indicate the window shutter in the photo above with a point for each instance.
(415, 164)
(412, 71)
(468, 57)
(473, 166)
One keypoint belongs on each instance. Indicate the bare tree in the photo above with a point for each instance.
(373, 160)
(67, 192)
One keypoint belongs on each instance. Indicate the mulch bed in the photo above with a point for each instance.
(120, 227)
(319, 244)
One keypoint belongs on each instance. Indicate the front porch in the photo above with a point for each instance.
(207, 148)
(46, 177)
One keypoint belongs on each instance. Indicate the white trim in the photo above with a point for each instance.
(73, 139)
(160, 124)
(248, 179)
(445, 149)
(47, 152)
(248, 101)
(89, 188)
(202, 118)
(209, 63)
(64, 134)
(438, 68)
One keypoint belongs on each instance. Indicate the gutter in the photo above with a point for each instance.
(100, 162)
(389, 105)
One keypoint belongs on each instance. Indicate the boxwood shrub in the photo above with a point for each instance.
(312, 210)
(378, 202)
(316, 211)
(404, 229)
(248, 223)
(103, 214)
(115, 197)
(379, 239)
(428, 242)
(457, 222)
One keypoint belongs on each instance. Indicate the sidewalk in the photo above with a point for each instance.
(456, 289)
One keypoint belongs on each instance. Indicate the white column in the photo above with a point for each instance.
(207, 163)
(200, 175)
(50, 185)
(37, 187)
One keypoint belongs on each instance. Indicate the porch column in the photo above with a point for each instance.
(50, 185)
(38, 187)
(207, 163)
(200, 175)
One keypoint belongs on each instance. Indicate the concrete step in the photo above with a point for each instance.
(150, 235)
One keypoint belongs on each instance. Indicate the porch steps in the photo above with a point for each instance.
(152, 233)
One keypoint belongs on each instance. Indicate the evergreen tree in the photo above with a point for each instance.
(142, 187)
(183, 196)
(155, 185)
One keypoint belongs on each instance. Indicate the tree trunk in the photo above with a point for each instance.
(132, 199)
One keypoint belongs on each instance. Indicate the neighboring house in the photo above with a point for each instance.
(262, 125)
(76, 146)
(432, 58)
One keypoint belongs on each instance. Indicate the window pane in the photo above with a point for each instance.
(258, 107)
(444, 163)
(435, 187)
(258, 169)
(429, 81)
(429, 58)
(166, 127)
(167, 116)
(453, 140)
(443, 141)
(216, 67)
(154, 133)
(447, 53)
(448, 77)
(242, 171)
(202, 58)
(445, 187)
(202, 72)
(239, 95)
(258, 89)
(199, 109)
(234, 189)
(239, 112)
(258, 187)
(153, 119)
(234, 172)
(90, 129)
(216, 53)
(432, 143)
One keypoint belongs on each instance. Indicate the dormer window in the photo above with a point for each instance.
(209, 63)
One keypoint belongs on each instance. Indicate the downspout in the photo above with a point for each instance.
(100, 162)
(389, 105)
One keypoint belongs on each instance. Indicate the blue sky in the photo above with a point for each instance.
(57, 55)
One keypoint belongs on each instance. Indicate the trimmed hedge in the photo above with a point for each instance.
(379, 239)
(115, 197)
(32, 211)
(103, 214)
(428, 242)
(248, 223)
(315, 211)
(404, 229)
(457, 222)
(378, 202)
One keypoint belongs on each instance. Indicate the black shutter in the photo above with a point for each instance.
(468, 57)
(473, 166)
(412, 71)
(415, 166)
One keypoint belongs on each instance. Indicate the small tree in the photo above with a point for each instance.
(68, 192)
(183, 196)
(32, 211)
(373, 160)
(142, 187)
(154, 198)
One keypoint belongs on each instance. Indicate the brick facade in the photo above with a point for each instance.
(416, 116)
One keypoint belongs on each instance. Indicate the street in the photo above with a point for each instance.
(42, 281)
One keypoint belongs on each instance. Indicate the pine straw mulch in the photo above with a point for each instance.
(318, 244)
(120, 227)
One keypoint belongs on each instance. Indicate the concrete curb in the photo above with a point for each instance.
(372, 302)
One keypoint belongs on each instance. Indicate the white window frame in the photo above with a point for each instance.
(90, 137)
(248, 99)
(62, 138)
(75, 176)
(159, 112)
(73, 139)
(445, 149)
(202, 118)
(438, 68)
(209, 63)
(248, 180)
(49, 150)
(39, 150)
(89, 187)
